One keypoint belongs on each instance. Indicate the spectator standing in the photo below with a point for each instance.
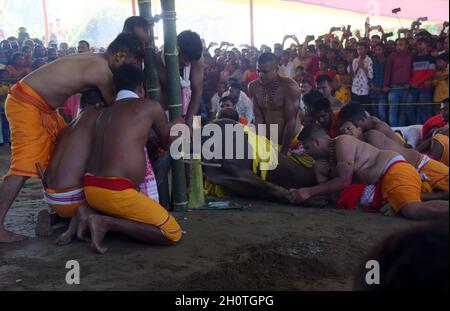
(361, 71)
(377, 95)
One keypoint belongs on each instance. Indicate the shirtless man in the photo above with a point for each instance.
(190, 49)
(356, 112)
(63, 177)
(117, 164)
(35, 124)
(352, 159)
(247, 177)
(431, 171)
(276, 101)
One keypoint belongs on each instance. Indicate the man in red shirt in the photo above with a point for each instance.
(423, 72)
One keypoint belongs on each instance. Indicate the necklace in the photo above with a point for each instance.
(269, 92)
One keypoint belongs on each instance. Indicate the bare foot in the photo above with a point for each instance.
(98, 231)
(67, 237)
(44, 224)
(10, 237)
(82, 228)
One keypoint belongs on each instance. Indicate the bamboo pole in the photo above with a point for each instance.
(179, 197)
(196, 192)
(153, 91)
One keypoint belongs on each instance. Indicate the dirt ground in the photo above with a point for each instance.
(264, 247)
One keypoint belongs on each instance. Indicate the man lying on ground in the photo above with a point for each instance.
(434, 174)
(31, 110)
(397, 181)
(63, 177)
(356, 112)
(117, 164)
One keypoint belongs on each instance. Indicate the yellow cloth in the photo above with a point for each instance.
(65, 202)
(441, 86)
(132, 205)
(214, 190)
(435, 173)
(34, 129)
(265, 156)
(303, 159)
(443, 140)
(4, 89)
(343, 94)
(401, 185)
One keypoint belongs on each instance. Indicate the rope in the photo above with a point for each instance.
(402, 104)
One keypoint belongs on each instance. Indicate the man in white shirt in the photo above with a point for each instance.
(287, 68)
(361, 71)
(244, 106)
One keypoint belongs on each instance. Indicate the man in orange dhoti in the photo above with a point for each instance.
(117, 164)
(398, 182)
(31, 104)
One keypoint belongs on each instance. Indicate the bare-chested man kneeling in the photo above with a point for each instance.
(63, 177)
(397, 181)
(118, 164)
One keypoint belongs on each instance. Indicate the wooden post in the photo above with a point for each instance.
(252, 25)
(47, 34)
(133, 7)
(179, 197)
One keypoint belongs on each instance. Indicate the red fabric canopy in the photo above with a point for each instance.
(435, 10)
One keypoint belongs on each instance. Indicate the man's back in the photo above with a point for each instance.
(121, 134)
(369, 162)
(74, 145)
(79, 72)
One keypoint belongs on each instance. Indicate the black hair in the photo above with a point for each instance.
(126, 42)
(267, 58)
(133, 22)
(127, 77)
(311, 131)
(324, 60)
(228, 98)
(376, 36)
(306, 81)
(352, 111)
(85, 42)
(424, 40)
(228, 113)
(310, 98)
(381, 45)
(300, 67)
(190, 45)
(414, 259)
(443, 57)
(91, 97)
(235, 85)
(324, 78)
(363, 44)
(15, 55)
(322, 104)
(445, 101)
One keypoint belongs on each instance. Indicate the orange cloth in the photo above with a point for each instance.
(118, 197)
(435, 173)
(65, 202)
(34, 129)
(401, 185)
(443, 140)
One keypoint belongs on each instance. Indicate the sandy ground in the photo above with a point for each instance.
(264, 247)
